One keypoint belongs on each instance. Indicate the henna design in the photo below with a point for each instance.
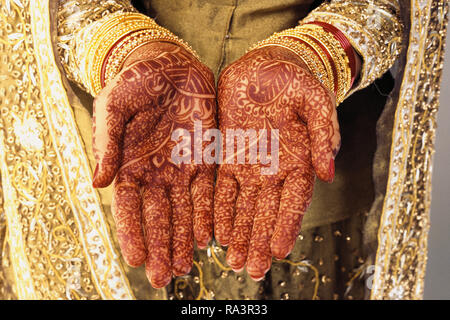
(158, 206)
(242, 226)
(158, 230)
(259, 216)
(225, 196)
(202, 192)
(267, 205)
(127, 217)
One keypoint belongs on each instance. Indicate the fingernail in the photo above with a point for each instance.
(95, 176)
(331, 170)
(237, 270)
(257, 279)
(336, 150)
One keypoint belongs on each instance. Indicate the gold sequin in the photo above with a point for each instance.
(285, 296)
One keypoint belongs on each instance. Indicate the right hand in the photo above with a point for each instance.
(159, 207)
(259, 216)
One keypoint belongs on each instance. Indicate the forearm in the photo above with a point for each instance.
(95, 38)
(374, 29)
(76, 26)
(346, 44)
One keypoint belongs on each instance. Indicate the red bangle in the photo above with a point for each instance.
(346, 45)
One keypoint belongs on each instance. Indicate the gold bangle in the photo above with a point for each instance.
(337, 53)
(322, 55)
(305, 53)
(107, 31)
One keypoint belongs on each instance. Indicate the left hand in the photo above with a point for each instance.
(159, 206)
(259, 216)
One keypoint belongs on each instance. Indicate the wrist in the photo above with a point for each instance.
(115, 40)
(325, 50)
(146, 51)
(306, 57)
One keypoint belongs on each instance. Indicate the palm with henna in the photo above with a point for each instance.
(259, 216)
(159, 206)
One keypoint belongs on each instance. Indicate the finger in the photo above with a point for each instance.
(323, 129)
(156, 216)
(202, 189)
(126, 211)
(295, 198)
(182, 239)
(224, 201)
(108, 128)
(260, 256)
(242, 228)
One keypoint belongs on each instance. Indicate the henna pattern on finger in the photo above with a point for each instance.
(242, 227)
(158, 234)
(163, 90)
(202, 192)
(267, 205)
(127, 219)
(270, 88)
(295, 199)
(182, 224)
(225, 196)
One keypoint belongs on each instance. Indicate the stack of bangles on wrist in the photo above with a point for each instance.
(115, 39)
(325, 50)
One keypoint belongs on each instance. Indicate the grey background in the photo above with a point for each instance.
(437, 279)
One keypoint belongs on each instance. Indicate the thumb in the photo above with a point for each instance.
(108, 129)
(323, 129)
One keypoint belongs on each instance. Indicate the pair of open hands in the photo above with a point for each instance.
(160, 207)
